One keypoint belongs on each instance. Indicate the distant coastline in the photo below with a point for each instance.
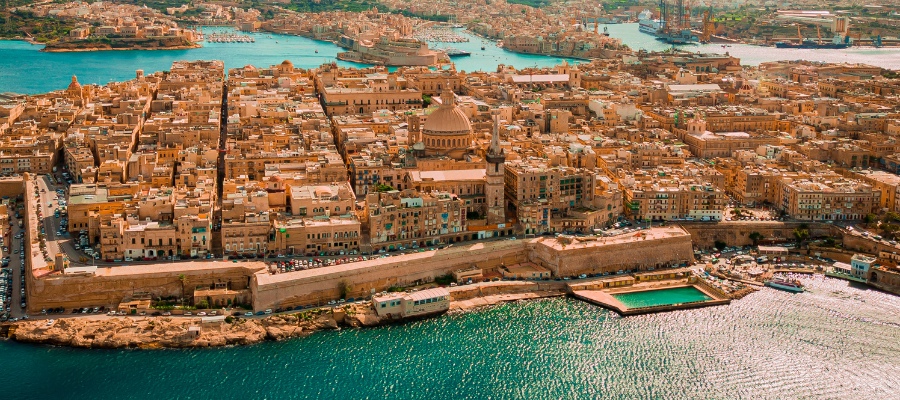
(88, 49)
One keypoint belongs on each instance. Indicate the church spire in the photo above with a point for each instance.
(495, 136)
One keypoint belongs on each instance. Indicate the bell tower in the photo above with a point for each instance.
(494, 172)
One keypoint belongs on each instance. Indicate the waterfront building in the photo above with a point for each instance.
(860, 265)
(419, 303)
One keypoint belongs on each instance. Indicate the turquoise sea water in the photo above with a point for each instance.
(834, 341)
(23, 69)
(652, 298)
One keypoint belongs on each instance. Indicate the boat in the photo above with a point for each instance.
(482, 47)
(812, 44)
(317, 51)
(683, 37)
(789, 285)
(647, 24)
(454, 52)
(837, 42)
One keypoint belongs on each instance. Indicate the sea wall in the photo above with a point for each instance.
(737, 233)
(641, 254)
(111, 285)
(482, 289)
(360, 279)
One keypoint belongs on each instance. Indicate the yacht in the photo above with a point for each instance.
(789, 285)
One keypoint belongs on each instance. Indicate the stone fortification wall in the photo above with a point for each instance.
(317, 286)
(11, 187)
(736, 233)
(610, 257)
(474, 290)
(111, 285)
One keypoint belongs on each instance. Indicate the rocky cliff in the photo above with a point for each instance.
(176, 332)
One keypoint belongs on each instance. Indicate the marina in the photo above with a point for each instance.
(58, 68)
(440, 35)
(228, 38)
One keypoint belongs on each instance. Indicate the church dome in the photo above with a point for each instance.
(74, 85)
(448, 119)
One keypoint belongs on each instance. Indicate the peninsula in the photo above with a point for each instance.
(645, 183)
(77, 26)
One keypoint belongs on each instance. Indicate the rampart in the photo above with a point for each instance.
(653, 248)
(360, 279)
(109, 286)
(737, 233)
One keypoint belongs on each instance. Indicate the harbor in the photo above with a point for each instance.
(228, 38)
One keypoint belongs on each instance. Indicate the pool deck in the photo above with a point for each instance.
(605, 299)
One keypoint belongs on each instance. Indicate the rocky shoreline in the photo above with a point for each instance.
(176, 332)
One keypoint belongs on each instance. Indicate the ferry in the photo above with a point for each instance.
(649, 25)
(454, 52)
(790, 285)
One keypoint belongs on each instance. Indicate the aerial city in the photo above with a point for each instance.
(454, 199)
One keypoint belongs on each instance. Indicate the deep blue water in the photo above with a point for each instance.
(834, 341)
(23, 69)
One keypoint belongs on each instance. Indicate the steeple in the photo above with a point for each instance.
(495, 137)
(494, 176)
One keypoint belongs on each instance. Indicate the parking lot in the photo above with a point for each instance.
(12, 275)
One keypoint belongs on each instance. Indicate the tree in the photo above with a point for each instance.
(383, 188)
(344, 288)
(756, 237)
(183, 279)
(801, 233)
(720, 245)
(870, 218)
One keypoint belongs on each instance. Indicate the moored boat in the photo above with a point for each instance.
(789, 285)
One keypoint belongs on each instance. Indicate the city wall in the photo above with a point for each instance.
(111, 285)
(638, 254)
(360, 279)
(866, 244)
(11, 187)
(705, 234)
(482, 289)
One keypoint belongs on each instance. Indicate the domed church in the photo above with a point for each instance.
(447, 131)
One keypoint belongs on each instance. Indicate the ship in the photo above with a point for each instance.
(681, 37)
(647, 24)
(789, 285)
(836, 42)
(454, 52)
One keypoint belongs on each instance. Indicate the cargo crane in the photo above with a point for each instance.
(708, 26)
(676, 29)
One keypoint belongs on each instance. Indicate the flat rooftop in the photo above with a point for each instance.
(654, 233)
